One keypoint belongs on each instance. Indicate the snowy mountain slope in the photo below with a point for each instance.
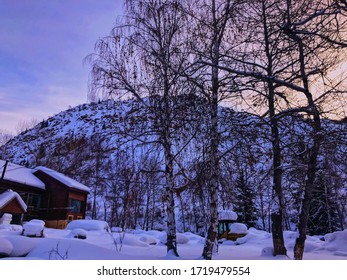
(111, 124)
(105, 145)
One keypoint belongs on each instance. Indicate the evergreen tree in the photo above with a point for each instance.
(244, 202)
(324, 216)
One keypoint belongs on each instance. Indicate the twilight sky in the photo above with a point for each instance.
(43, 44)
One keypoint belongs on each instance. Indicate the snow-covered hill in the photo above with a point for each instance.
(112, 147)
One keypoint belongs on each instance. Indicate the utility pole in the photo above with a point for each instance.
(3, 173)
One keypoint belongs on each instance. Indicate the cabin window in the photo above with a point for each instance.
(75, 205)
(222, 227)
(32, 200)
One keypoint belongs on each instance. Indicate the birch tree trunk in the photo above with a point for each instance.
(220, 16)
(171, 244)
(277, 213)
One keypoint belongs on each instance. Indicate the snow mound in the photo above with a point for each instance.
(130, 240)
(6, 247)
(311, 243)
(78, 233)
(238, 228)
(148, 239)
(117, 229)
(15, 229)
(33, 228)
(22, 245)
(180, 238)
(245, 239)
(194, 239)
(89, 225)
(254, 236)
(70, 249)
(336, 242)
(290, 235)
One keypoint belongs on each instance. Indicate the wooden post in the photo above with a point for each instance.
(3, 173)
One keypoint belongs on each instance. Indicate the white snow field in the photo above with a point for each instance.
(92, 242)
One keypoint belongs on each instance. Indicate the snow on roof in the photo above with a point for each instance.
(71, 183)
(9, 195)
(227, 215)
(20, 174)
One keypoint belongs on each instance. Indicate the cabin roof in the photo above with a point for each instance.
(227, 215)
(69, 182)
(20, 174)
(7, 196)
(27, 177)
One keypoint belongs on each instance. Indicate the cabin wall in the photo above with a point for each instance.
(54, 206)
(12, 207)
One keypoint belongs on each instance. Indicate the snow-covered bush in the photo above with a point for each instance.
(15, 229)
(34, 228)
(117, 229)
(148, 239)
(79, 233)
(89, 225)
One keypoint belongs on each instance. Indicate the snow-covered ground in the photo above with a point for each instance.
(150, 245)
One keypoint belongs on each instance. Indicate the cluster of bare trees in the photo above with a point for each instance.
(272, 58)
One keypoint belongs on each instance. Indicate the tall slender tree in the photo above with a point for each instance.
(210, 20)
(142, 59)
(310, 25)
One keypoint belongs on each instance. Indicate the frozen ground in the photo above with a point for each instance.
(142, 245)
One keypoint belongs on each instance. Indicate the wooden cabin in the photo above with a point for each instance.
(49, 195)
(64, 200)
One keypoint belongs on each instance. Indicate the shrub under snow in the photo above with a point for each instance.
(34, 228)
(89, 225)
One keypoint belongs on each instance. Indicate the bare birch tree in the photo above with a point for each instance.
(142, 59)
(314, 27)
(305, 39)
(211, 22)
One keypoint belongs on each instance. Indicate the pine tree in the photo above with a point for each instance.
(324, 216)
(244, 202)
